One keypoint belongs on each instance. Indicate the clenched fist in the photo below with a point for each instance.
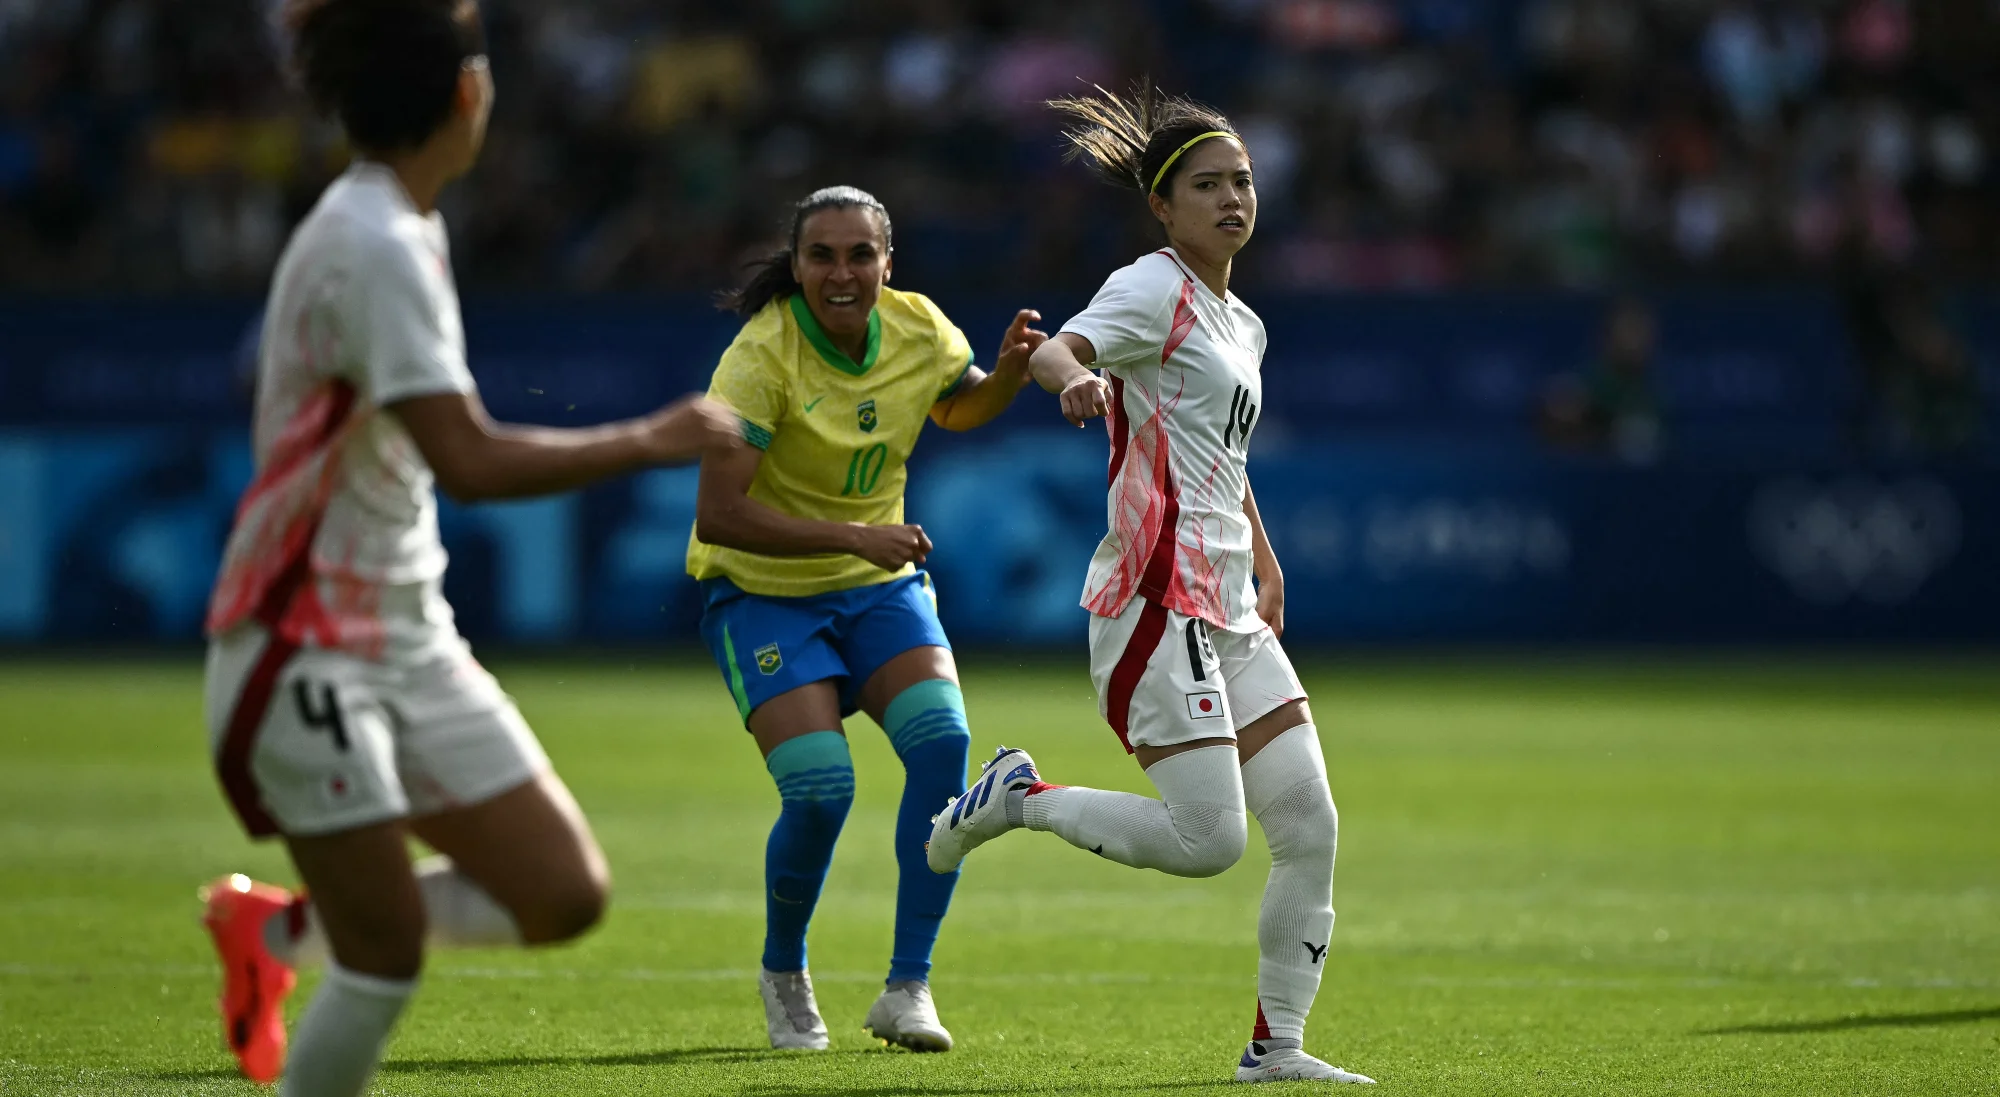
(1087, 397)
(890, 547)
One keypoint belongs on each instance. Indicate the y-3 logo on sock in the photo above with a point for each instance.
(1318, 953)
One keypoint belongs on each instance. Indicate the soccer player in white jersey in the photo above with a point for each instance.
(1183, 644)
(345, 713)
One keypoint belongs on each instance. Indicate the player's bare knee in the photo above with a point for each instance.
(577, 915)
(567, 911)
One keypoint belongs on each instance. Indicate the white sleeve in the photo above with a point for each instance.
(1127, 321)
(413, 342)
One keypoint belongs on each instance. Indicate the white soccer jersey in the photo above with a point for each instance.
(1184, 371)
(336, 543)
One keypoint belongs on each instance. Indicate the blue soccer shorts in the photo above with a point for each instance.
(766, 646)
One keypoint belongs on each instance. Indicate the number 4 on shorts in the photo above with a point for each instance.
(325, 716)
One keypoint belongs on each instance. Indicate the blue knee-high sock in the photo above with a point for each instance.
(926, 725)
(815, 778)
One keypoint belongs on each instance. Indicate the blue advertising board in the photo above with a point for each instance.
(1735, 369)
(1396, 464)
(113, 534)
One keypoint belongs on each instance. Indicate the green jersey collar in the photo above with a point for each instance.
(834, 356)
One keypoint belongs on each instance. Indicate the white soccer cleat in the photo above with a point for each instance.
(1291, 1065)
(791, 1013)
(905, 1016)
(980, 815)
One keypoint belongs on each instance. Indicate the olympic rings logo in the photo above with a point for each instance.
(1855, 538)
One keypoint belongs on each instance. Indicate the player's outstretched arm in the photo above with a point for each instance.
(475, 458)
(725, 515)
(982, 396)
(1264, 561)
(1062, 365)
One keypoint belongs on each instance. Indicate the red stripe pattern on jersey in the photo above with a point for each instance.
(1146, 507)
(1176, 485)
(1160, 578)
(1184, 318)
(1120, 426)
(269, 557)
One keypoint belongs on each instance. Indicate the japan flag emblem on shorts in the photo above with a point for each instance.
(1204, 706)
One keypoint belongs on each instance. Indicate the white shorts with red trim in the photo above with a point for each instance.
(1164, 678)
(310, 741)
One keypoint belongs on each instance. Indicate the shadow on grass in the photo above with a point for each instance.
(672, 1056)
(609, 1059)
(947, 1090)
(666, 1057)
(761, 1055)
(216, 1075)
(1863, 1020)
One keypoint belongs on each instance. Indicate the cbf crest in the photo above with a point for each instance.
(864, 413)
(768, 659)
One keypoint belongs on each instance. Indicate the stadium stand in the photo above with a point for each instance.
(153, 146)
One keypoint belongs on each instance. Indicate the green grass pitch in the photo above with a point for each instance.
(1669, 877)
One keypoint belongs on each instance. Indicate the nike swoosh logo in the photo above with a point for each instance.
(1099, 850)
(813, 405)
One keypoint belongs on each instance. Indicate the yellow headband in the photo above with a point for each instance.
(1162, 173)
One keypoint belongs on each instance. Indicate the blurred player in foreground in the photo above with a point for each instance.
(345, 713)
(815, 607)
(1183, 646)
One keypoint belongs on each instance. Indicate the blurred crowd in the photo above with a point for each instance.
(156, 145)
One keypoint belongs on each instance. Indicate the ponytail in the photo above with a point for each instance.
(771, 277)
(1136, 140)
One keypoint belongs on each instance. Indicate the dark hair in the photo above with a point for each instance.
(1126, 139)
(388, 69)
(771, 277)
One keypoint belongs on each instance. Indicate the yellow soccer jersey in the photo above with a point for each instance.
(835, 432)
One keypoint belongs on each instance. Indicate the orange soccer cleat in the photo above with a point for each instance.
(254, 983)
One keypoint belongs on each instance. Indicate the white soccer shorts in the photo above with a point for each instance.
(1164, 678)
(309, 741)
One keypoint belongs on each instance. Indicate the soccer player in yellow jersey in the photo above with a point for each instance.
(815, 607)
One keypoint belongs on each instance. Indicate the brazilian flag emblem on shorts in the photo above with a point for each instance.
(768, 659)
(865, 413)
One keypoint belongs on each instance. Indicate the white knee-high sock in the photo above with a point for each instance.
(457, 913)
(340, 1039)
(1197, 827)
(1285, 787)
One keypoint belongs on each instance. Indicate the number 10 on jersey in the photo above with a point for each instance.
(864, 469)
